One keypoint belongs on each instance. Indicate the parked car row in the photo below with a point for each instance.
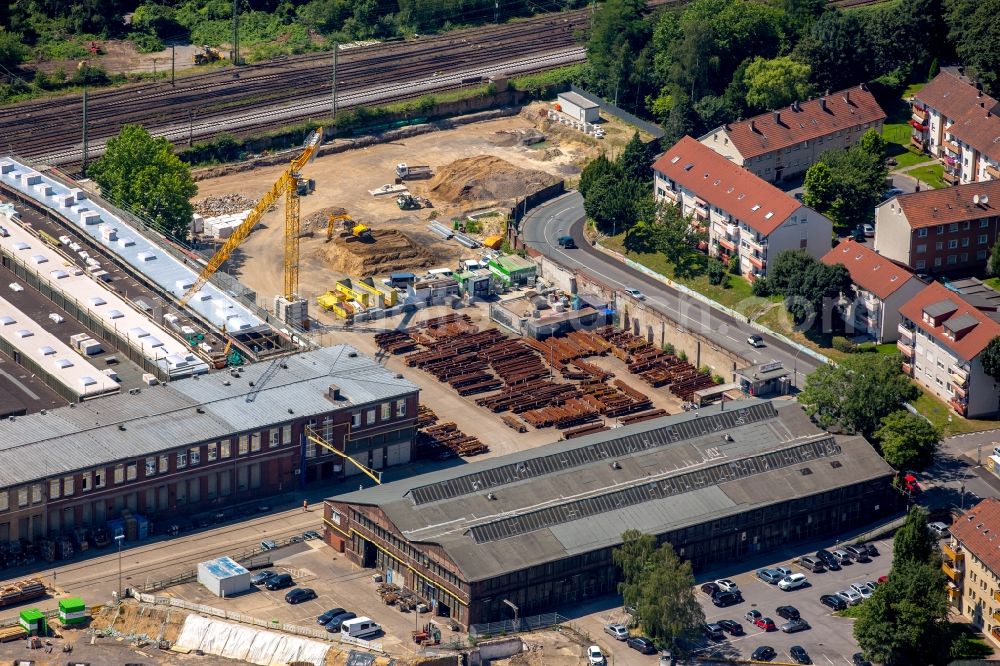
(620, 633)
(825, 560)
(723, 592)
(767, 653)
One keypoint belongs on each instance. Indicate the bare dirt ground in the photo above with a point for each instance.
(343, 180)
(121, 57)
(547, 648)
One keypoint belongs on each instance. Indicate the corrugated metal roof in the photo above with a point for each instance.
(524, 511)
(164, 417)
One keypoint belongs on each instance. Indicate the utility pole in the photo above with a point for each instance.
(236, 32)
(496, 11)
(190, 128)
(173, 61)
(83, 162)
(333, 87)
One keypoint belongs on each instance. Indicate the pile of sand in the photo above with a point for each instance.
(485, 179)
(392, 250)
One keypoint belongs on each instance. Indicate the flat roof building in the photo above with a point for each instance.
(538, 527)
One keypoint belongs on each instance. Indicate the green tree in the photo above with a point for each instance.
(913, 543)
(716, 272)
(906, 620)
(597, 168)
(907, 441)
(873, 143)
(661, 587)
(975, 33)
(142, 172)
(787, 268)
(858, 393)
(990, 357)
(850, 187)
(635, 161)
(610, 202)
(12, 49)
(616, 44)
(820, 190)
(680, 240)
(775, 83)
(993, 265)
(835, 50)
(807, 298)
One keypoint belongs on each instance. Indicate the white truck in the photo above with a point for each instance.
(406, 171)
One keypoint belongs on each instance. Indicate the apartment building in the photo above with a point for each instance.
(743, 214)
(785, 143)
(881, 288)
(937, 231)
(941, 336)
(955, 121)
(971, 561)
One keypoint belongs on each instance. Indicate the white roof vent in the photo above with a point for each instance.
(24, 333)
(46, 350)
(59, 274)
(97, 300)
(7, 320)
(21, 245)
(63, 363)
(115, 314)
(755, 207)
(39, 259)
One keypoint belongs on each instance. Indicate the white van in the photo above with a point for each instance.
(360, 627)
(440, 272)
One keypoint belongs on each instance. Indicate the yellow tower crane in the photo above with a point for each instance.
(288, 185)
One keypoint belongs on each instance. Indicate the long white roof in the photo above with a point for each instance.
(161, 267)
(146, 336)
(52, 355)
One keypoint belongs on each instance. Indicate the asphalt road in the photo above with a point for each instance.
(565, 216)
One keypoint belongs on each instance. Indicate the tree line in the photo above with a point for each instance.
(698, 65)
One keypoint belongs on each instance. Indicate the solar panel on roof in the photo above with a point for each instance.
(585, 455)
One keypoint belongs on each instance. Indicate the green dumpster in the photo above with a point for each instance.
(73, 611)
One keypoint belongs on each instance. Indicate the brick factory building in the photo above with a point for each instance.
(201, 443)
(537, 528)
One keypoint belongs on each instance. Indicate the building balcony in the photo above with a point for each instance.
(907, 369)
(904, 349)
(959, 379)
(954, 594)
(757, 262)
(950, 178)
(671, 195)
(917, 141)
(759, 245)
(953, 553)
(958, 371)
(959, 407)
(905, 334)
(727, 244)
(996, 596)
(919, 113)
(993, 172)
(959, 392)
(700, 213)
(952, 147)
(952, 571)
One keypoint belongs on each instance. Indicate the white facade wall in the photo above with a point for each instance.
(893, 235)
(934, 366)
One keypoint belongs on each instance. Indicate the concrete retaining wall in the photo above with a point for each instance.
(492, 650)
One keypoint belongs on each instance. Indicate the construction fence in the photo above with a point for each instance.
(612, 110)
(521, 624)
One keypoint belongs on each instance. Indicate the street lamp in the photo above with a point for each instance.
(119, 538)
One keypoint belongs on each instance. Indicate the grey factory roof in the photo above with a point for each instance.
(577, 496)
(161, 267)
(191, 410)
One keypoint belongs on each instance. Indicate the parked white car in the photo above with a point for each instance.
(727, 585)
(792, 582)
(852, 597)
(594, 656)
(862, 589)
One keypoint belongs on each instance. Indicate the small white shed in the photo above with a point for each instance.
(224, 577)
(579, 108)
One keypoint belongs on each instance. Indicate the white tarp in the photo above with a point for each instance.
(255, 646)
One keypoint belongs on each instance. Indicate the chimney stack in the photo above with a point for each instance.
(847, 97)
(753, 126)
(822, 103)
(777, 117)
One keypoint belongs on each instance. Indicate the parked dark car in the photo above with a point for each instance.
(858, 553)
(325, 618)
(299, 594)
(788, 612)
(713, 631)
(827, 558)
(732, 626)
(872, 550)
(812, 564)
(763, 653)
(723, 599)
(859, 660)
(792, 626)
(311, 534)
(566, 242)
(711, 589)
(833, 601)
(279, 582)
(333, 625)
(642, 644)
(800, 655)
(262, 577)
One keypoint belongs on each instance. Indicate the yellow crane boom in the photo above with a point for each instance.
(287, 184)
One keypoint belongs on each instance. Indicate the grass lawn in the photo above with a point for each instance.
(937, 412)
(898, 136)
(887, 348)
(993, 283)
(930, 175)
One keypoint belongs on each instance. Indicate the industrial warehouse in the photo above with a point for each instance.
(202, 442)
(537, 528)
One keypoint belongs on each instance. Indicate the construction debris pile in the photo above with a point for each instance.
(226, 204)
(487, 179)
(390, 250)
(444, 440)
(394, 595)
(517, 374)
(656, 367)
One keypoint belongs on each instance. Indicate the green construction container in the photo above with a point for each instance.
(73, 611)
(33, 621)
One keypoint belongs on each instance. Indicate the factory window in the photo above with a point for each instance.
(4, 505)
(966, 225)
(119, 473)
(132, 471)
(370, 417)
(965, 257)
(274, 438)
(922, 233)
(939, 246)
(356, 420)
(982, 254)
(85, 485)
(67, 486)
(401, 407)
(982, 239)
(213, 451)
(953, 243)
(921, 248)
(952, 259)
(150, 466)
(953, 226)
(984, 223)
(99, 478)
(53, 489)
(965, 242)
(182, 459)
(164, 464)
(386, 411)
(255, 442)
(286, 434)
(224, 451)
(921, 264)
(195, 455)
(244, 445)
(22, 496)
(940, 229)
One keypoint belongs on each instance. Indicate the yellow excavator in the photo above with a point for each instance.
(286, 185)
(352, 229)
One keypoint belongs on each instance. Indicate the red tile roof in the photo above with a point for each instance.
(978, 530)
(726, 185)
(929, 208)
(969, 345)
(976, 114)
(869, 270)
(845, 108)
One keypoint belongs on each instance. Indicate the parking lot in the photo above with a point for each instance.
(829, 641)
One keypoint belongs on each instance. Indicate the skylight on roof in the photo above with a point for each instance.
(756, 207)
(675, 159)
(689, 166)
(741, 196)
(769, 215)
